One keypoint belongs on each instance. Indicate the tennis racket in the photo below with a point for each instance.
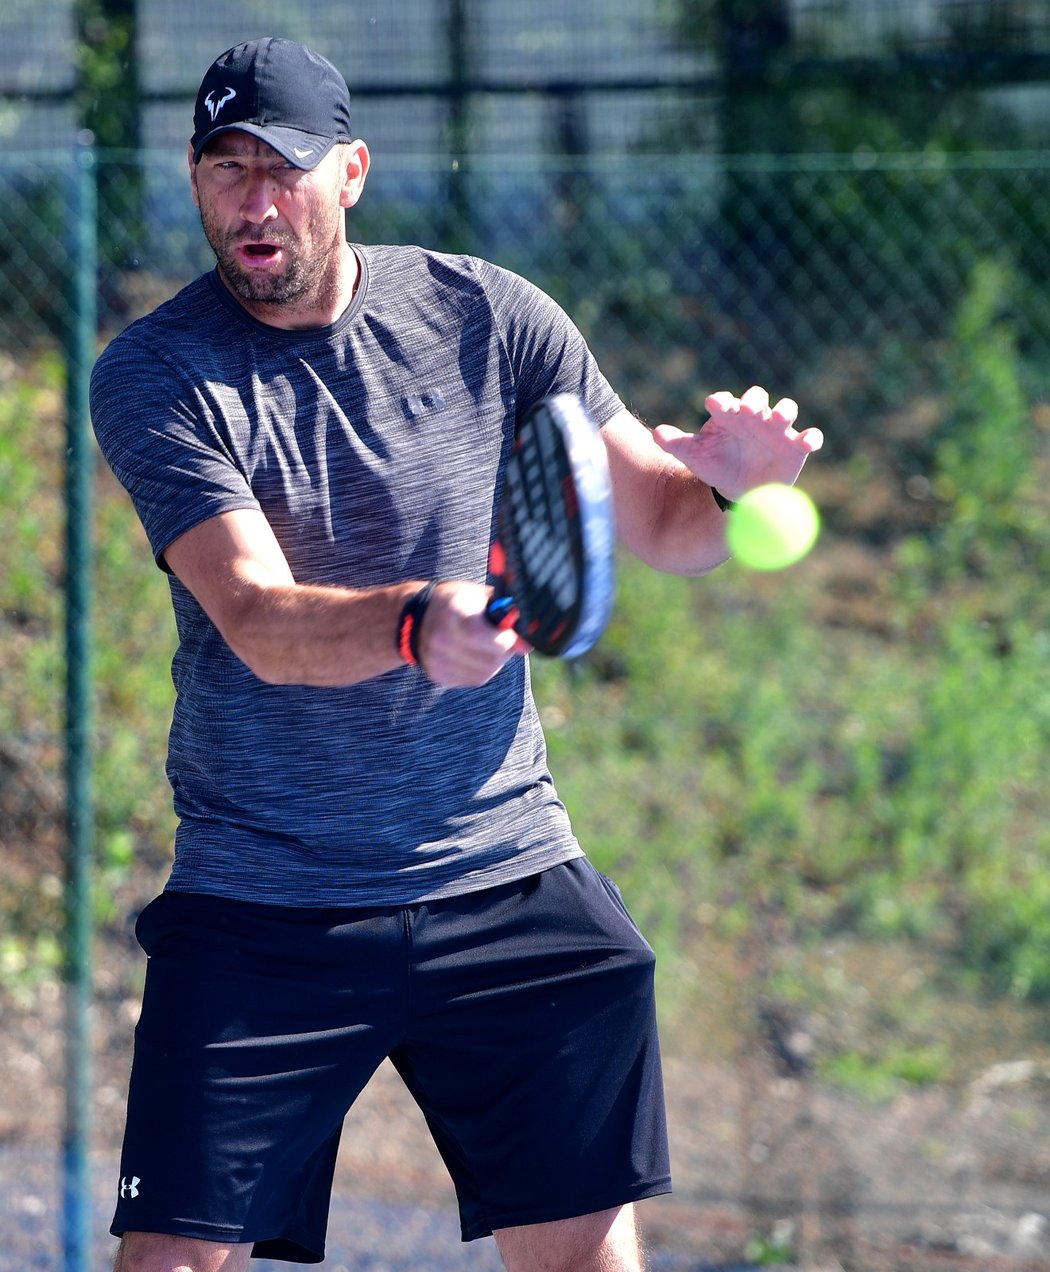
(552, 562)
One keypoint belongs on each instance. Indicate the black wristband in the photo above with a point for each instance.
(409, 623)
(727, 505)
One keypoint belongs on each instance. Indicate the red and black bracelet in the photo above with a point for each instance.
(409, 623)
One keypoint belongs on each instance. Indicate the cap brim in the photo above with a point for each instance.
(304, 150)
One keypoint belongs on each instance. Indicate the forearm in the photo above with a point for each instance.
(331, 636)
(298, 633)
(686, 534)
(665, 515)
(289, 633)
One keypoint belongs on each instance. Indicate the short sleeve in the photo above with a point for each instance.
(162, 442)
(546, 349)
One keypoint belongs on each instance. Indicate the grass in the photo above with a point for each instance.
(796, 777)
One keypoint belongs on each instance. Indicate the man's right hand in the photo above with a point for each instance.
(459, 646)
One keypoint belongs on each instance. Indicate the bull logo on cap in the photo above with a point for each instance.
(215, 106)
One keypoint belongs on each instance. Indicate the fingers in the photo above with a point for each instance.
(786, 411)
(721, 403)
(756, 399)
(460, 647)
(668, 438)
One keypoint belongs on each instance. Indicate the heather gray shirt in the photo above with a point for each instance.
(375, 448)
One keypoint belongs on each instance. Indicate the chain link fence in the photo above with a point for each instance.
(846, 280)
(739, 270)
(837, 280)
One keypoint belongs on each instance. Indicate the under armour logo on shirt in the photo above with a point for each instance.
(130, 1188)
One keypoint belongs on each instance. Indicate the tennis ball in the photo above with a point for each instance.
(772, 526)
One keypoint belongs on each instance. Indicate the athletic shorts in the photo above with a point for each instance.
(521, 1018)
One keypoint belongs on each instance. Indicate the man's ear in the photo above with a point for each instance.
(356, 163)
(193, 174)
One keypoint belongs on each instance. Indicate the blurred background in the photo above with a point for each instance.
(823, 792)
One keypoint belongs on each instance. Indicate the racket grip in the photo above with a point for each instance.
(500, 610)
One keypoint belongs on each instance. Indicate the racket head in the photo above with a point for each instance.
(554, 558)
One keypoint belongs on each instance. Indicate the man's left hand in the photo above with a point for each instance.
(745, 443)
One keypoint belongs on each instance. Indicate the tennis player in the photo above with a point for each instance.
(371, 859)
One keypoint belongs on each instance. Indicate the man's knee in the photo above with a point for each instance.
(603, 1242)
(158, 1252)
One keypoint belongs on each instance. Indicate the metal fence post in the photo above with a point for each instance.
(80, 355)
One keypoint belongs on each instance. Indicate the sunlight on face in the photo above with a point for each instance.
(276, 230)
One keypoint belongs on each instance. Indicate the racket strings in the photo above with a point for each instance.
(554, 560)
(542, 538)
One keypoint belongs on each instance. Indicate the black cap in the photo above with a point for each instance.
(279, 91)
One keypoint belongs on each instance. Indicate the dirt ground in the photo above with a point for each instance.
(770, 1166)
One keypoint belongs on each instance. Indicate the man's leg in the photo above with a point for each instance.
(603, 1242)
(156, 1252)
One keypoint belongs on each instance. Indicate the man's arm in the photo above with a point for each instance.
(662, 480)
(291, 633)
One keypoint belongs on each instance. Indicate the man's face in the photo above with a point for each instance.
(276, 230)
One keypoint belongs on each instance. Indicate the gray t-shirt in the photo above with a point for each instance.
(375, 448)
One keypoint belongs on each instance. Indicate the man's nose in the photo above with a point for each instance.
(260, 200)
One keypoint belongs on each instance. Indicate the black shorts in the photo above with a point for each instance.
(521, 1019)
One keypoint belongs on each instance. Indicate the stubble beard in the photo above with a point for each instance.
(304, 278)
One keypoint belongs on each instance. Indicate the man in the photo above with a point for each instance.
(371, 859)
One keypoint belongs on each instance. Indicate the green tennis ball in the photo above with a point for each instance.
(772, 527)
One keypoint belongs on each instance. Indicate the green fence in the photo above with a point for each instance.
(900, 299)
(684, 272)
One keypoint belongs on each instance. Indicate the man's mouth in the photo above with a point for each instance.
(259, 255)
